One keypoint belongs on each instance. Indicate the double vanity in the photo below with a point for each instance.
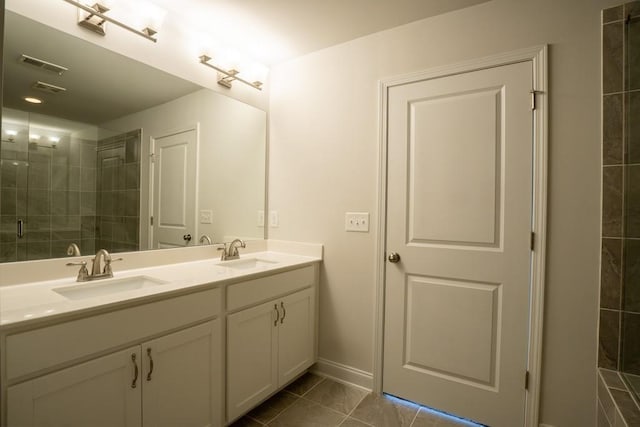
(193, 343)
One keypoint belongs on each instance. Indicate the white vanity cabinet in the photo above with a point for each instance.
(191, 358)
(95, 393)
(172, 379)
(179, 377)
(271, 343)
(163, 382)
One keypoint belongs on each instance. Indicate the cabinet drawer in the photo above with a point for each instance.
(254, 291)
(47, 347)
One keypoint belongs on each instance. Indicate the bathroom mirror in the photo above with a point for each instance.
(119, 155)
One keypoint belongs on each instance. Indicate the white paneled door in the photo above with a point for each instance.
(459, 203)
(174, 190)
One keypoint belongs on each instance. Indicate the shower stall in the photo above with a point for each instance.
(619, 332)
(64, 182)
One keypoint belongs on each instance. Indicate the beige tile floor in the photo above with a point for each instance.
(314, 401)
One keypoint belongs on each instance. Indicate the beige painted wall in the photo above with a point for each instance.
(323, 162)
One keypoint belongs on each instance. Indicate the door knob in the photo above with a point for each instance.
(187, 237)
(394, 257)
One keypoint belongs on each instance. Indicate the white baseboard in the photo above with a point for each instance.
(546, 425)
(343, 373)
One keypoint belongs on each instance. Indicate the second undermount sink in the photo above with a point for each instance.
(105, 287)
(248, 263)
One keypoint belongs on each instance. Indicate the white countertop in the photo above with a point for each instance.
(25, 303)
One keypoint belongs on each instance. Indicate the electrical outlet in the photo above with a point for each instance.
(206, 216)
(356, 221)
(260, 218)
(274, 220)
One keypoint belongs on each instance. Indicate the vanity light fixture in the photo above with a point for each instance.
(94, 19)
(226, 77)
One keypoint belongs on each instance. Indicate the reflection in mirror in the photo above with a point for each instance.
(119, 155)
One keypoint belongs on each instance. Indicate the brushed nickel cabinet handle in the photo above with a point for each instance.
(275, 322)
(150, 364)
(284, 313)
(135, 372)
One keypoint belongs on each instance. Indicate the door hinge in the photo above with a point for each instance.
(151, 220)
(533, 100)
(533, 93)
(526, 380)
(533, 240)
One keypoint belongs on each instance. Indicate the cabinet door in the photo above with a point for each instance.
(251, 357)
(181, 378)
(296, 334)
(101, 392)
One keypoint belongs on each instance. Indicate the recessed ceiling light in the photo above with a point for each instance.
(33, 100)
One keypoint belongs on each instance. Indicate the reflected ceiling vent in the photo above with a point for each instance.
(39, 63)
(48, 87)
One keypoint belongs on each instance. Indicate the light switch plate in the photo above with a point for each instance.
(261, 218)
(274, 219)
(356, 221)
(206, 216)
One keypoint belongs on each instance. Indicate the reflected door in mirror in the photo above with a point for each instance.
(174, 189)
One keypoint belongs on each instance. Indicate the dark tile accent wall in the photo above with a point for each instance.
(117, 221)
(619, 335)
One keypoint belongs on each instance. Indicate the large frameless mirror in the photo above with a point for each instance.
(118, 155)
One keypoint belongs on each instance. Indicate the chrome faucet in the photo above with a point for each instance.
(73, 250)
(205, 238)
(231, 252)
(96, 271)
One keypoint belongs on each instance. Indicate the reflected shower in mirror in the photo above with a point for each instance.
(118, 155)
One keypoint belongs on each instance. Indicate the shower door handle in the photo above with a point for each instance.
(20, 229)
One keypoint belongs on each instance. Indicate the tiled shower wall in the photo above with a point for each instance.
(118, 189)
(619, 340)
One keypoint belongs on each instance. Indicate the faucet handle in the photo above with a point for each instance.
(107, 265)
(83, 274)
(225, 253)
(82, 263)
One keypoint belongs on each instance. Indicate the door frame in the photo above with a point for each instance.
(152, 146)
(538, 56)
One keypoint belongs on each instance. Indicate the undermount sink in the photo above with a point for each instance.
(104, 287)
(248, 263)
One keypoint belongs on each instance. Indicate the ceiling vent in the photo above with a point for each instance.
(39, 63)
(48, 87)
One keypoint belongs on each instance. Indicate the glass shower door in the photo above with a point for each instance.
(14, 170)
